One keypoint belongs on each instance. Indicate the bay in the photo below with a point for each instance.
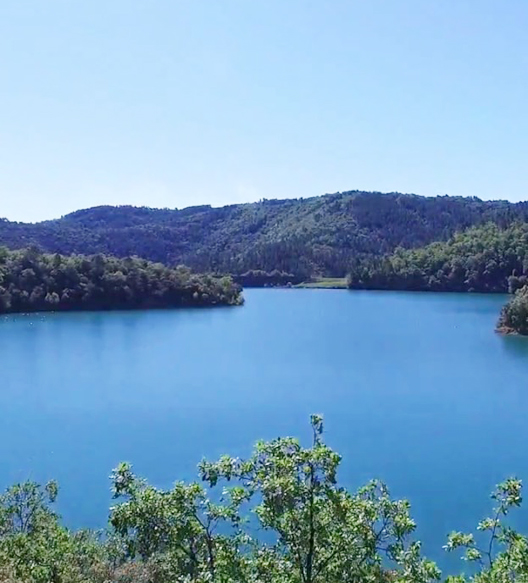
(415, 389)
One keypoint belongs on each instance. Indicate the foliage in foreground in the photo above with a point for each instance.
(31, 281)
(278, 517)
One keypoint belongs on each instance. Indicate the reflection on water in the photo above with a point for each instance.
(516, 345)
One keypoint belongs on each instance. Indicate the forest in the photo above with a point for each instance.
(33, 281)
(480, 259)
(309, 529)
(320, 236)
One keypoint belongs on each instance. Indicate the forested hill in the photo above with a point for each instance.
(305, 237)
(481, 259)
(31, 281)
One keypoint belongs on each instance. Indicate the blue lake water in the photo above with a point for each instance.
(416, 389)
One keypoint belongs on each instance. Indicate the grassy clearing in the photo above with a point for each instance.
(325, 283)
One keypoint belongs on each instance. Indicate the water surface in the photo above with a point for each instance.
(416, 389)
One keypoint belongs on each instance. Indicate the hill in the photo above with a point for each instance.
(319, 236)
(481, 259)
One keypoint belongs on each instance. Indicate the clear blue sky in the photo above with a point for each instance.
(172, 103)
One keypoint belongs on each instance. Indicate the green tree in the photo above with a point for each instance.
(34, 547)
(277, 517)
(500, 552)
(484, 259)
(514, 315)
(179, 533)
(32, 281)
(323, 532)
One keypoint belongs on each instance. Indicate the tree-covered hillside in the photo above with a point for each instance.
(31, 281)
(481, 259)
(303, 237)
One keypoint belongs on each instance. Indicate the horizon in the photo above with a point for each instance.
(301, 198)
(180, 104)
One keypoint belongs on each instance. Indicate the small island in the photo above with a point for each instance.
(31, 281)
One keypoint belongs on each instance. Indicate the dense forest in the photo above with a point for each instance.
(481, 259)
(32, 281)
(315, 531)
(318, 236)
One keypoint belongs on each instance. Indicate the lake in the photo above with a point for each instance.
(416, 389)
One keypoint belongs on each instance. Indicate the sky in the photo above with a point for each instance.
(173, 103)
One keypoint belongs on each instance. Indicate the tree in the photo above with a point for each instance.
(177, 532)
(323, 532)
(503, 557)
(277, 517)
(31, 281)
(305, 237)
(514, 315)
(34, 547)
(484, 259)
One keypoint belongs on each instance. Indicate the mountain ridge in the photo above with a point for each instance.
(321, 235)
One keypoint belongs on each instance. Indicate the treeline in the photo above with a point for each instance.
(315, 531)
(481, 259)
(259, 278)
(311, 237)
(32, 281)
